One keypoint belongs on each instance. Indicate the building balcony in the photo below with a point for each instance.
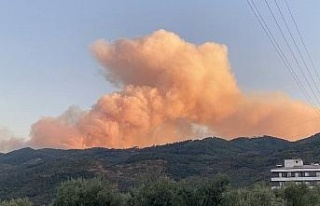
(294, 179)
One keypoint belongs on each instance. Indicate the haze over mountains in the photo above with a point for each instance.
(36, 173)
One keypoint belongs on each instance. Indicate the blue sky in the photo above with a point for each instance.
(46, 64)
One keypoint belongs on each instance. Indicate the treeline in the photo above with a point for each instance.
(166, 192)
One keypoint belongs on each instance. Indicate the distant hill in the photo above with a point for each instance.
(37, 173)
(261, 143)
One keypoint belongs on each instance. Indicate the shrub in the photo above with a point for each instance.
(17, 202)
(93, 192)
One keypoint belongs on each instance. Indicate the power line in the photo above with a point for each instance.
(301, 39)
(296, 45)
(277, 47)
(294, 56)
(283, 57)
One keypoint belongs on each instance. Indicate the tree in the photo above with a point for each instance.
(159, 193)
(300, 195)
(92, 192)
(211, 192)
(260, 195)
(17, 202)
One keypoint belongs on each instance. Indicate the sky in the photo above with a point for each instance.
(47, 65)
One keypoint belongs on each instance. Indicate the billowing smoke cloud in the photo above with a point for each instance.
(171, 90)
(60, 132)
(9, 142)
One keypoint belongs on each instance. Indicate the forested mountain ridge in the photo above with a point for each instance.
(37, 173)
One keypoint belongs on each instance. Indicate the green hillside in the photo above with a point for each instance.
(36, 173)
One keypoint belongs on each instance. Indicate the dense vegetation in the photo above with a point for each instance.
(166, 192)
(17, 202)
(37, 173)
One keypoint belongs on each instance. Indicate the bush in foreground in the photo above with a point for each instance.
(95, 192)
(167, 192)
(17, 202)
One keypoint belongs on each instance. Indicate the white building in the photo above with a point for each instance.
(295, 171)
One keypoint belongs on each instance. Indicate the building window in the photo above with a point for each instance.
(306, 174)
(275, 174)
(312, 174)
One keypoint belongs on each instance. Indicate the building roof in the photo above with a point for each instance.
(297, 168)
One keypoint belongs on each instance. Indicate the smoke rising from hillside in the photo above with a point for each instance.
(171, 90)
(8, 142)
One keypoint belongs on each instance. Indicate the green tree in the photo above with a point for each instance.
(186, 194)
(159, 193)
(92, 192)
(211, 192)
(239, 197)
(17, 202)
(260, 195)
(166, 192)
(300, 195)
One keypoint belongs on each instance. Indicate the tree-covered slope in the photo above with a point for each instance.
(37, 173)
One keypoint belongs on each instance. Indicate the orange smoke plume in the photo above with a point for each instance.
(171, 90)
